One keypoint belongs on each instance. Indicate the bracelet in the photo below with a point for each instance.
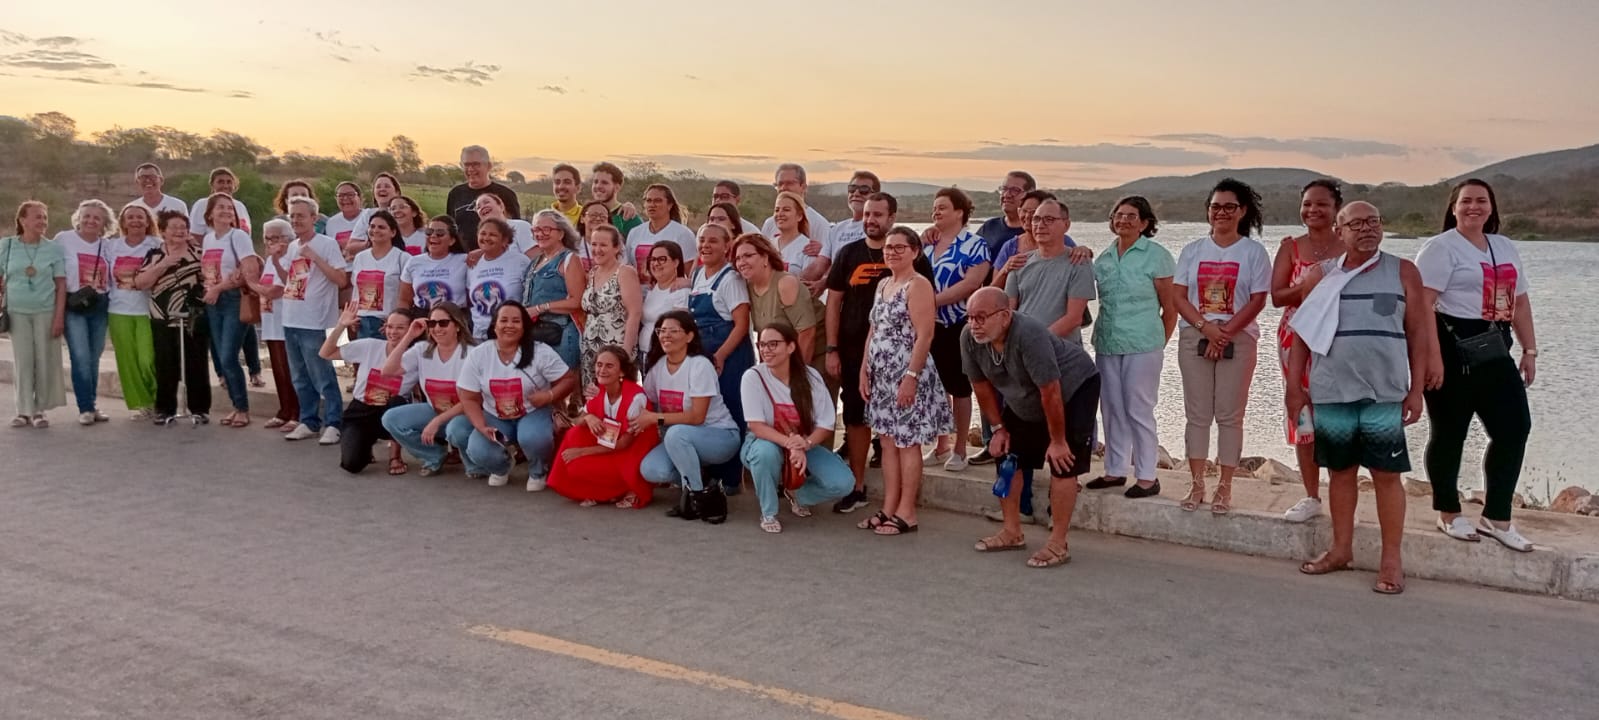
(912, 374)
(1530, 352)
(996, 427)
(831, 349)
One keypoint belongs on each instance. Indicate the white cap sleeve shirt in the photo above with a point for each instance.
(371, 385)
(167, 204)
(1470, 283)
(125, 262)
(732, 293)
(521, 235)
(310, 299)
(1221, 280)
(198, 225)
(271, 310)
(757, 408)
(343, 229)
(86, 263)
(377, 281)
(640, 241)
(220, 256)
(695, 378)
(821, 228)
(436, 280)
(436, 375)
(491, 282)
(504, 386)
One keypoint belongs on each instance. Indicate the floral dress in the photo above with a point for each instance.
(887, 358)
(607, 320)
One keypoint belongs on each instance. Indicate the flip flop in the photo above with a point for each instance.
(1383, 587)
(398, 467)
(872, 523)
(895, 525)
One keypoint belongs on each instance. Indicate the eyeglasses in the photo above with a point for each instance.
(722, 197)
(275, 238)
(861, 190)
(438, 323)
(1371, 223)
(664, 330)
(347, 195)
(1007, 191)
(1224, 208)
(659, 259)
(437, 232)
(545, 229)
(896, 249)
(1045, 220)
(980, 318)
(772, 344)
(1129, 217)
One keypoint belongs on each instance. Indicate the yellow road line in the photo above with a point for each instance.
(656, 668)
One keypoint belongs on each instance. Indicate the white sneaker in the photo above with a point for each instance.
(86, 418)
(932, 457)
(535, 483)
(1459, 529)
(1303, 510)
(100, 416)
(300, 432)
(330, 436)
(499, 480)
(955, 463)
(998, 515)
(141, 415)
(1507, 537)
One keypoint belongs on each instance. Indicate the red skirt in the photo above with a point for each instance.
(605, 477)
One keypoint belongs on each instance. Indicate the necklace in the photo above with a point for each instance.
(31, 271)
(995, 356)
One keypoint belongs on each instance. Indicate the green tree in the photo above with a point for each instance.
(232, 150)
(407, 159)
(370, 161)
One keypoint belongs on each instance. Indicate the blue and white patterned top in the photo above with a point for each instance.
(967, 251)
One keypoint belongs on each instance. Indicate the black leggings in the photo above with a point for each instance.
(363, 426)
(1495, 394)
(195, 359)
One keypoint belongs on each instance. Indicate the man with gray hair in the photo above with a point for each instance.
(151, 197)
(1365, 330)
(461, 203)
(817, 254)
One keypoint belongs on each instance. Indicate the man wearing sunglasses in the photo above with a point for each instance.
(861, 185)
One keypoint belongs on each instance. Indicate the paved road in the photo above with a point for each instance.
(211, 573)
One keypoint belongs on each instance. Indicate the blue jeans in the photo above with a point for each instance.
(826, 475)
(684, 449)
(405, 424)
(533, 432)
(85, 342)
(227, 337)
(314, 380)
(459, 433)
(369, 327)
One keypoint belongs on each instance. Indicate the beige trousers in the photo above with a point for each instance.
(1215, 393)
(37, 365)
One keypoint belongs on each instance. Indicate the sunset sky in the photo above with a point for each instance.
(1082, 94)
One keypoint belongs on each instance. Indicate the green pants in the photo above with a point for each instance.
(135, 352)
(37, 358)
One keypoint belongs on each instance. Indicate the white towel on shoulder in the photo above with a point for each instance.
(1316, 320)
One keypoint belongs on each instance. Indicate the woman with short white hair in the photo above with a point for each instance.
(129, 314)
(88, 301)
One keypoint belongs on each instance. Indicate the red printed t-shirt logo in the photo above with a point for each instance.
(343, 238)
(441, 394)
(641, 256)
(299, 273)
(786, 416)
(507, 394)
(1217, 283)
(126, 268)
(671, 401)
(369, 290)
(380, 387)
(211, 266)
(90, 272)
(1498, 292)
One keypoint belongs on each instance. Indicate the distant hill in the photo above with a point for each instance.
(897, 189)
(1195, 185)
(1542, 166)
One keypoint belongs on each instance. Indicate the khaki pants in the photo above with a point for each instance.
(1215, 392)
(38, 363)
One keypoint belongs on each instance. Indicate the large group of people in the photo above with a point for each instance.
(615, 350)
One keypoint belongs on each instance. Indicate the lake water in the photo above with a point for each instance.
(1568, 358)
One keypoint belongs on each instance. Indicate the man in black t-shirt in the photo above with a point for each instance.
(996, 231)
(461, 203)
(852, 286)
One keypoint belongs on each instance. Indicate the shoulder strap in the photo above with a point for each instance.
(772, 401)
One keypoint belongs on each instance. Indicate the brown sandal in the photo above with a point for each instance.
(1222, 502)
(1048, 557)
(397, 466)
(997, 543)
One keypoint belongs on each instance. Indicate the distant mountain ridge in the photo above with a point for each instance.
(1541, 166)
(897, 189)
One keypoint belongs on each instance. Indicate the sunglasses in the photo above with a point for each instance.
(438, 323)
(861, 190)
(433, 232)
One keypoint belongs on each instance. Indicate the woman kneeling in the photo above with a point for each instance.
(599, 457)
(695, 425)
(508, 387)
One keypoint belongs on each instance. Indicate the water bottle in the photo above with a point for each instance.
(1305, 427)
(1004, 472)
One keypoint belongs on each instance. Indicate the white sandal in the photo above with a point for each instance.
(794, 506)
(1459, 529)
(771, 525)
(1507, 537)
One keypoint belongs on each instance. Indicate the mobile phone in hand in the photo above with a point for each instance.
(1204, 347)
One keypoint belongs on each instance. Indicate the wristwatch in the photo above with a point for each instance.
(913, 374)
(1530, 352)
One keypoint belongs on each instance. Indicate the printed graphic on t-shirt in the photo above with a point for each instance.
(441, 394)
(414, 250)
(429, 293)
(91, 272)
(1217, 283)
(380, 387)
(867, 273)
(671, 401)
(641, 256)
(786, 417)
(487, 296)
(1498, 292)
(125, 270)
(268, 279)
(507, 394)
(343, 238)
(211, 266)
(369, 290)
(299, 274)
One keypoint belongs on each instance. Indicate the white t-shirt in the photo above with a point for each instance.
(343, 229)
(310, 299)
(794, 254)
(640, 240)
(417, 242)
(613, 409)
(436, 280)
(220, 256)
(435, 374)
(757, 408)
(371, 385)
(820, 226)
(730, 294)
(521, 235)
(658, 302)
(87, 263)
(1220, 280)
(198, 225)
(125, 261)
(167, 203)
(748, 226)
(377, 282)
(504, 386)
(695, 378)
(1468, 282)
(844, 233)
(492, 282)
(271, 310)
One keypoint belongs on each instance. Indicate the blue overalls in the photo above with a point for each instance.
(547, 285)
(714, 331)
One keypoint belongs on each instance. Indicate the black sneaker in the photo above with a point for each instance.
(161, 419)
(855, 500)
(982, 458)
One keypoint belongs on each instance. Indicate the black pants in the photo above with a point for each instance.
(251, 347)
(363, 426)
(196, 355)
(1495, 394)
(1029, 441)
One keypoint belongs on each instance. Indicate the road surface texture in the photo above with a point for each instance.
(214, 573)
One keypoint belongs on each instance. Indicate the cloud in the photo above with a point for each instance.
(1324, 148)
(340, 58)
(556, 89)
(55, 60)
(694, 78)
(468, 73)
(1141, 154)
(1467, 156)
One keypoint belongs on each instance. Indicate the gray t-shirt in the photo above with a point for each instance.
(1033, 356)
(1045, 284)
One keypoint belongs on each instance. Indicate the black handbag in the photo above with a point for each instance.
(1487, 346)
(86, 298)
(547, 332)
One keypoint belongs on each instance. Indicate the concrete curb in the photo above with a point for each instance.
(1431, 556)
(263, 401)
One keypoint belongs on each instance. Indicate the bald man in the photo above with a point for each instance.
(1039, 393)
(1366, 357)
